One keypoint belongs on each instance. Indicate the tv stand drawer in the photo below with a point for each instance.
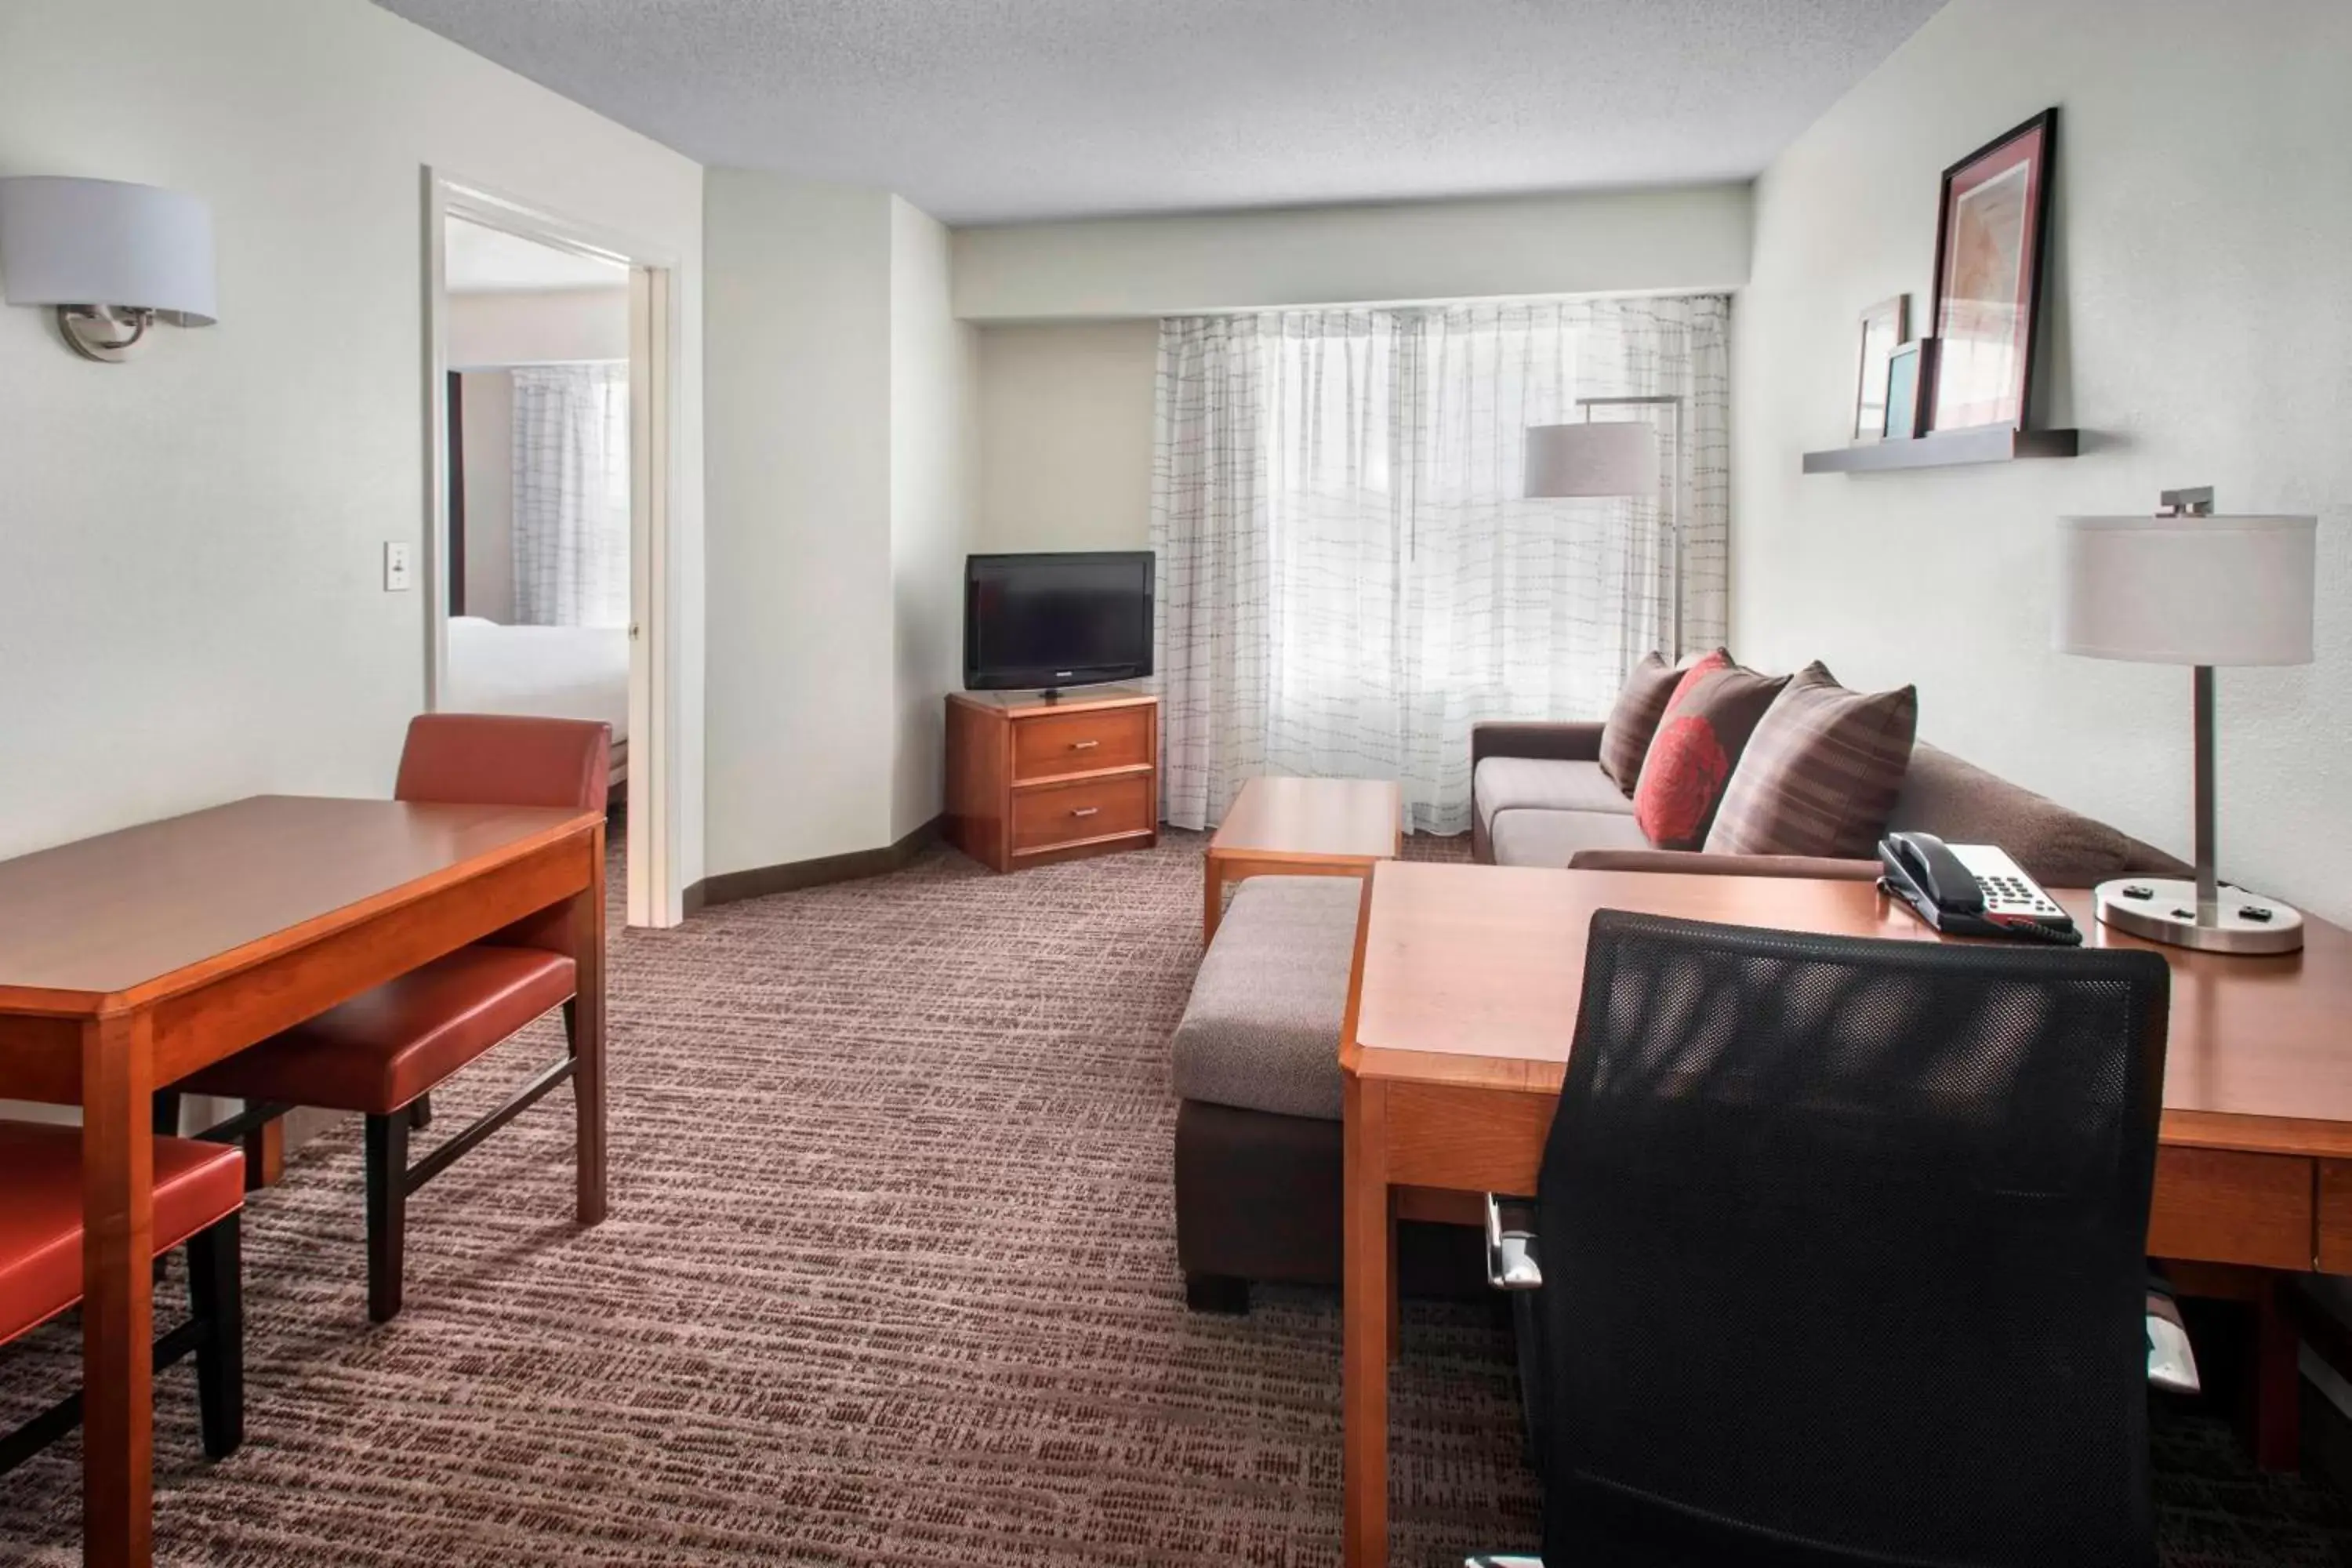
(1055, 745)
(1076, 813)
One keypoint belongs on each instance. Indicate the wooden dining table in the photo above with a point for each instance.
(131, 960)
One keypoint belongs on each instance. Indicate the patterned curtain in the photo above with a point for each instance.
(1349, 577)
(572, 495)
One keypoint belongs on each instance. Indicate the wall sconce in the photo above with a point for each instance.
(113, 258)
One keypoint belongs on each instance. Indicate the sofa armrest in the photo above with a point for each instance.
(1542, 739)
(1697, 863)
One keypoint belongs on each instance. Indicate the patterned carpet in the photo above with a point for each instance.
(889, 1279)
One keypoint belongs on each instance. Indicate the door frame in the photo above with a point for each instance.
(657, 466)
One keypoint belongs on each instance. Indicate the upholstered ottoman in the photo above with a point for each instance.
(1258, 1150)
(1262, 1030)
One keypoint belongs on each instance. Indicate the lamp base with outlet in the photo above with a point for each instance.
(2167, 909)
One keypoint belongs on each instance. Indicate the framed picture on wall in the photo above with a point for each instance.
(1990, 242)
(1884, 326)
(1902, 394)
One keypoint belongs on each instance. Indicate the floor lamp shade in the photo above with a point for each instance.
(1618, 457)
(2187, 590)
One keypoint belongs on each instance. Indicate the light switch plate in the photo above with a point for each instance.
(395, 566)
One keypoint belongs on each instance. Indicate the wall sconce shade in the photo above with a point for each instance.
(109, 255)
(1618, 457)
(2187, 590)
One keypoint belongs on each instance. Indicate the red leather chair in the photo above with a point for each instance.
(199, 1191)
(381, 1053)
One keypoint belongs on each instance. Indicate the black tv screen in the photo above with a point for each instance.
(1054, 620)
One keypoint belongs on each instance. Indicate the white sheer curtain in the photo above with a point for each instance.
(1348, 575)
(570, 459)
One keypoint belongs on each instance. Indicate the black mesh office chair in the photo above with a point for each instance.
(1842, 1254)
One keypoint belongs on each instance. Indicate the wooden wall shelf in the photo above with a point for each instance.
(1945, 450)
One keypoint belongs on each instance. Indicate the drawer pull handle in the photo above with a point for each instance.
(1084, 745)
(1084, 810)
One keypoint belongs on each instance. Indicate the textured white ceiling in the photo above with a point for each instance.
(477, 260)
(992, 110)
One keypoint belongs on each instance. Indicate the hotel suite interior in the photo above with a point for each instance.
(1302, 782)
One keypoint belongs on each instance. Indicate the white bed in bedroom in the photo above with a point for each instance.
(557, 672)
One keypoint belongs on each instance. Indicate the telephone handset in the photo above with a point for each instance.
(1971, 890)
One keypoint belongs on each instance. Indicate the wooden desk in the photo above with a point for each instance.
(1301, 827)
(127, 961)
(1463, 1005)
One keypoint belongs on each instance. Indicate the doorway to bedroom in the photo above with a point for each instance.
(549, 431)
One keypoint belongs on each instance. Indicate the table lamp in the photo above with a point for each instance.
(2187, 587)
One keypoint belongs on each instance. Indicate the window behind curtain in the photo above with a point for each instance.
(572, 495)
(1350, 577)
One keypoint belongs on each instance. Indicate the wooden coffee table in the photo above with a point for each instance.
(1302, 827)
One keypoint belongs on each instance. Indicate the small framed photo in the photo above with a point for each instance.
(1909, 379)
(1990, 241)
(1884, 326)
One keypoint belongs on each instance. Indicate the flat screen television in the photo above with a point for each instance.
(1054, 620)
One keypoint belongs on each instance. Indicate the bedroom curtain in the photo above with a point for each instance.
(571, 471)
(1349, 577)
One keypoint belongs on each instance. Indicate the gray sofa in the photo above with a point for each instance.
(1539, 798)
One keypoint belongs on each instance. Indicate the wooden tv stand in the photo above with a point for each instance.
(1033, 780)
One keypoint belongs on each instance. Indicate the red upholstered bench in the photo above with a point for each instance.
(199, 1192)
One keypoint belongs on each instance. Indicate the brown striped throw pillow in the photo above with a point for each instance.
(1633, 721)
(1820, 772)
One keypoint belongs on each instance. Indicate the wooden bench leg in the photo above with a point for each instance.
(217, 1295)
(387, 1211)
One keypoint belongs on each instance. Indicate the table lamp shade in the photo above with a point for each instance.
(76, 242)
(2185, 590)
(1613, 459)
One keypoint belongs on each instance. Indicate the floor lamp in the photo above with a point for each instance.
(1618, 459)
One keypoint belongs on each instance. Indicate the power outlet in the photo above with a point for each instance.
(395, 566)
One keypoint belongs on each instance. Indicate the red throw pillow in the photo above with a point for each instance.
(1706, 727)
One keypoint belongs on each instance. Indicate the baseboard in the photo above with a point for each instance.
(729, 886)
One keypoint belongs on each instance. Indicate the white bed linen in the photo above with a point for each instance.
(558, 672)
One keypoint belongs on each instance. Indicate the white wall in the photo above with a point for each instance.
(2200, 333)
(840, 482)
(803, 667)
(1066, 434)
(1622, 241)
(1068, 345)
(932, 441)
(191, 546)
(537, 326)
